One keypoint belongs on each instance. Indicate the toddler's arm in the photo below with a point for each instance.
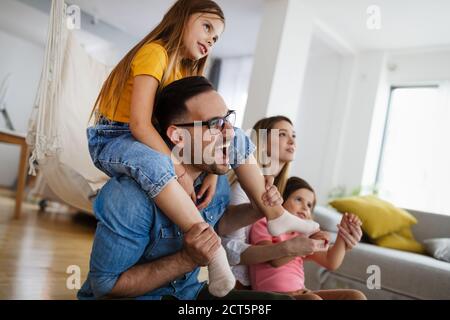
(332, 259)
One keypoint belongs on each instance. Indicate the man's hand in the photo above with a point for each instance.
(200, 244)
(208, 190)
(186, 182)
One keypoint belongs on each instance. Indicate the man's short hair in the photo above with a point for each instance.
(170, 104)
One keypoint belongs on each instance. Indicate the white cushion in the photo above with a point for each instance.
(438, 248)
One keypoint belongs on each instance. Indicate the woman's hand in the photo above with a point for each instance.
(208, 190)
(301, 247)
(350, 230)
(321, 235)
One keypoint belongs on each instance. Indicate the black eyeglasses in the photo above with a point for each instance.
(215, 123)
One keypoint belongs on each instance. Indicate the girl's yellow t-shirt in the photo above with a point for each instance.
(152, 59)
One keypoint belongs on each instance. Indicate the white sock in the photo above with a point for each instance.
(221, 279)
(289, 223)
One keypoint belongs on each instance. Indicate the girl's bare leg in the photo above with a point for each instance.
(178, 207)
(279, 220)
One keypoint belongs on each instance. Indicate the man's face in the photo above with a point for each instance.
(208, 148)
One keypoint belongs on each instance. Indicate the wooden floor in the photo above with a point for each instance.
(36, 250)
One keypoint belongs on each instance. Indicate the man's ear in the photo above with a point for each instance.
(175, 136)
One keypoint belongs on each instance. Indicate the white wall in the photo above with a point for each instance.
(315, 115)
(419, 66)
(280, 61)
(357, 125)
(23, 59)
(321, 115)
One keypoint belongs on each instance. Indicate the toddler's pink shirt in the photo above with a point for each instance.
(287, 278)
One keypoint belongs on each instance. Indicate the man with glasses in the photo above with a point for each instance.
(138, 252)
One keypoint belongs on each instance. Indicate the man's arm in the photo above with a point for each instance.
(200, 244)
(147, 277)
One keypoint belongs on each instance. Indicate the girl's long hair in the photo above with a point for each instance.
(261, 141)
(170, 32)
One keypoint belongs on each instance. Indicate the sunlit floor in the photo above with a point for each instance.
(36, 251)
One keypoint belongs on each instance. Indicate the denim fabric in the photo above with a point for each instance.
(116, 152)
(241, 148)
(132, 230)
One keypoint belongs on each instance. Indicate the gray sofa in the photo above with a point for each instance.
(404, 275)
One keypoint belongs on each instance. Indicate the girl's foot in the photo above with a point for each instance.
(221, 279)
(290, 223)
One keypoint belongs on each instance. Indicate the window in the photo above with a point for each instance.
(414, 166)
(234, 81)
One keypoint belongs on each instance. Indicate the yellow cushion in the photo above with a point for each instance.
(379, 217)
(401, 240)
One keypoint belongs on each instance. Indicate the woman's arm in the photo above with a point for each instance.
(264, 252)
(278, 254)
(274, 262)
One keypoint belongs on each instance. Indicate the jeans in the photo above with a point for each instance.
(116, 152)
(132, 230)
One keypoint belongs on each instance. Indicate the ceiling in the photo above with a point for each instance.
(138, 17)
(404, 23)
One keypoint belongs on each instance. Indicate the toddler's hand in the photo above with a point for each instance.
(350, 219)
(350, 230)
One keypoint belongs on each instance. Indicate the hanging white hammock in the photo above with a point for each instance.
(69, 84)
